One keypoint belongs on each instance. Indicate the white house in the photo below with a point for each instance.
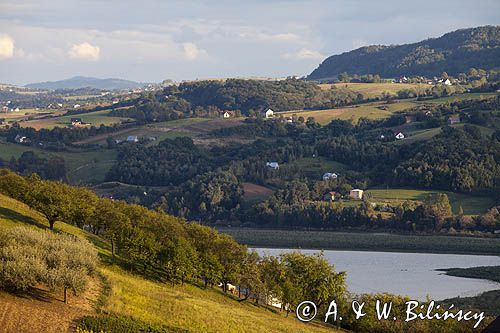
(76, 106)
(273, 165)
(447, 82)
(132, 138)
(269, 113)
(225, 115)
(356, 194)
(16, 110)
(20, 139)
(400, 136)
(330, 175)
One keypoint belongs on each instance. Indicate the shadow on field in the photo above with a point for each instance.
(15, 216)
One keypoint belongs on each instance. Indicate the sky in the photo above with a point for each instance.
(154, 40)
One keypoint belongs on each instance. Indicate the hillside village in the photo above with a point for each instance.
(225, 204)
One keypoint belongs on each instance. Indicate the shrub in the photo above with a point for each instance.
(29, 257)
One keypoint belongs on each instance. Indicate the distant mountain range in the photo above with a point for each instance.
(454, 52)
(84, 82)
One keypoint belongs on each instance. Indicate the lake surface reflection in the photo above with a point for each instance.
(411, 274)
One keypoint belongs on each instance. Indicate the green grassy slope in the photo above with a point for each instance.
(187, 307)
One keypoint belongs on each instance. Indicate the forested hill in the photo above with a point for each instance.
(454, 52)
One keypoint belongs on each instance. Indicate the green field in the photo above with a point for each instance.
(82, 166)
(472, 205)
(377, 110)
(381, 242)
(460, 97)
(372, 90)
(93, 118)
(182, 308)
(316, 167)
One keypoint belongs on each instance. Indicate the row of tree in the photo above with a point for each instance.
(181, 252)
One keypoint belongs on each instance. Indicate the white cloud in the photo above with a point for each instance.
(6, 47)
(193, 52)
(303, 54)
(261, 36)
(85, 51)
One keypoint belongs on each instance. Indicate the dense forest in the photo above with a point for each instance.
(454, 53)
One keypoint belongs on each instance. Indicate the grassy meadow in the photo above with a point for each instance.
(82, 166)
(372, 90)
(472, 205)
(375, 110)
(93, 118)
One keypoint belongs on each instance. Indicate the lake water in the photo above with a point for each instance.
(410, 274)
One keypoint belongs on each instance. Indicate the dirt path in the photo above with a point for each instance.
(42, 311)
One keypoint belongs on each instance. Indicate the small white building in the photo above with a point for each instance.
(447, 82)
(132, 138)
(225, 115)
(76, 106)
(20, 139)
(273, 165)
(330, 175)
(269, 113)
(356, 194)
(399, 136)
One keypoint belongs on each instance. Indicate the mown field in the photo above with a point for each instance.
(82, 166)
(316, 167)
(372, 90)
(375, 110)
(93, 118)
(472, 205)
(382, 242)
(186, 308)
(460, 97)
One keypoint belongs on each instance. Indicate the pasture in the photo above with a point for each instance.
(375, 110)
(460, 97)
(316, 167)
(472, 205)
(82, 166)
(373, 90)
(92, 118)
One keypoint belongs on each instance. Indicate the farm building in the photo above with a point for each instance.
(269, 114)
(330, 175)
(132, 138)
(20, 139)
(356, 194)
(454, 120)
(226, 114)
(273, 165)
(399, 136)
(330, 196)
